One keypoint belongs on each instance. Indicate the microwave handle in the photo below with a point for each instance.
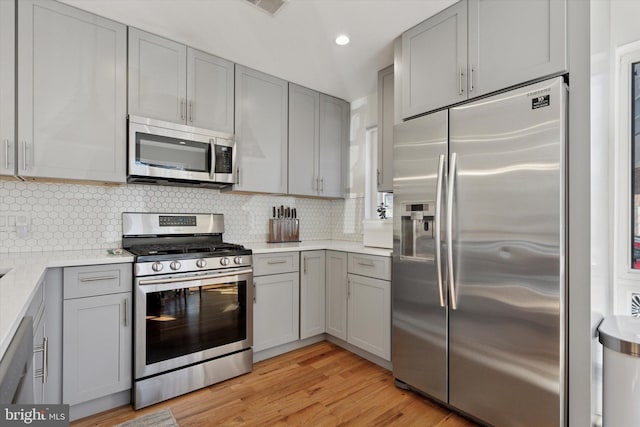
(212, 153)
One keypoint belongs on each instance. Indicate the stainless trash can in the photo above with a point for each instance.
(620, 338)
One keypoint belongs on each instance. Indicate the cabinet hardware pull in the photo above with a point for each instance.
(24, 155)
(470, 78)
(97, 279)
(182, 108)
(276, 262)
(238, 176)
(378, 176)
(191, 111)
(348, 288)
(255, 293)
(322, 185)
(44, 349)
(461, 74)
(366, 264)
(305, 264)
(6, 154)
(125, 312)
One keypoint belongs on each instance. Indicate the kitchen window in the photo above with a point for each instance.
(635, 163)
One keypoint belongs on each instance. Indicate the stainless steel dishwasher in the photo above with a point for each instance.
(16, 368)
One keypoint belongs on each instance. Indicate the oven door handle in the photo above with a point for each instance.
(186, 279)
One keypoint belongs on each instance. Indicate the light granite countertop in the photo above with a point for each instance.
(21, 272)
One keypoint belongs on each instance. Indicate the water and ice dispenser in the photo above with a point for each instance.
(417, 231)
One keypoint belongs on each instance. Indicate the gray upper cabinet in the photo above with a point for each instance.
(172, 82)
(384, 171)
(512, 42)
(157, 77)
(7, 87)
(209, 91)
(72, 93)
(434, 61)
(318, 139)
(477, 47)
(261, 123)
(334, 140)
(304, 140)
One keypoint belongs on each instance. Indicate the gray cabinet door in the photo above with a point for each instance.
(369, 315)
(261, 131)
(72, 93)
(434, 61)
(7, 88)
(96, 347)
(312, 293)
(512, 42)
(336, 294)
(304, 140)
(334, 139)
(157, 77)
(276, 310)
(384, 172)
(209, 91)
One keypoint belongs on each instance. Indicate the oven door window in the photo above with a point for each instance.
(172, 153)
(188, 320)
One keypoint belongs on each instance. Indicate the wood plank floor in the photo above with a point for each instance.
(319, 385)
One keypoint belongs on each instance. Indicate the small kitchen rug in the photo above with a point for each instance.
(157, 419)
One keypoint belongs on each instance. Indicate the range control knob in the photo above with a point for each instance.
(201, 263)
(237, 260)
(175, 265)
(156, 266)
(224, 261)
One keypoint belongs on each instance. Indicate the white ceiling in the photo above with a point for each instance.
(297, 44)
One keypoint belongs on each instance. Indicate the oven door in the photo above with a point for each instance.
(186, 319)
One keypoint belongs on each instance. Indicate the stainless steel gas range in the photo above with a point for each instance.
(193, 304)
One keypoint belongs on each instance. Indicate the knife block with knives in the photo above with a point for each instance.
(284, 225)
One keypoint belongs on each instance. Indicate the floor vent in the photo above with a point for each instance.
(269, 6)
(635, 305)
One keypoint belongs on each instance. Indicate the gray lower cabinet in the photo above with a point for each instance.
(72, 91)
(358, 301)
(312, 293)
(7, 87)
(261, 122)
(276, 308)
(97, 333)
(336, 294)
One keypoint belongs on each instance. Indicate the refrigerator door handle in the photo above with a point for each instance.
(437, 226)
(450, 194)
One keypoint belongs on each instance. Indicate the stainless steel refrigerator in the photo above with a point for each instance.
(479, 246)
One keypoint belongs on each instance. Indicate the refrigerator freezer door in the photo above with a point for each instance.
(419, 319)
(506, 337)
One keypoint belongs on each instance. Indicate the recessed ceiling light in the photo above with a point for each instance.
(342, 40)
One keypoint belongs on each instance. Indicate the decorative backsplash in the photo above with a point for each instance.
(77, 217)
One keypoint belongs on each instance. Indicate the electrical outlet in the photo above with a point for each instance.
(635, 305)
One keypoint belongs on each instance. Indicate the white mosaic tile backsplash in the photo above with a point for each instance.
(77, 217)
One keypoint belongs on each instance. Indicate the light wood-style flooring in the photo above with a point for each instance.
(319, 385)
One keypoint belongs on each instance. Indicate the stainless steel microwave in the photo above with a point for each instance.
(168, 153)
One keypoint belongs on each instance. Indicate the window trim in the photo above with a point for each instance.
(626, 56)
